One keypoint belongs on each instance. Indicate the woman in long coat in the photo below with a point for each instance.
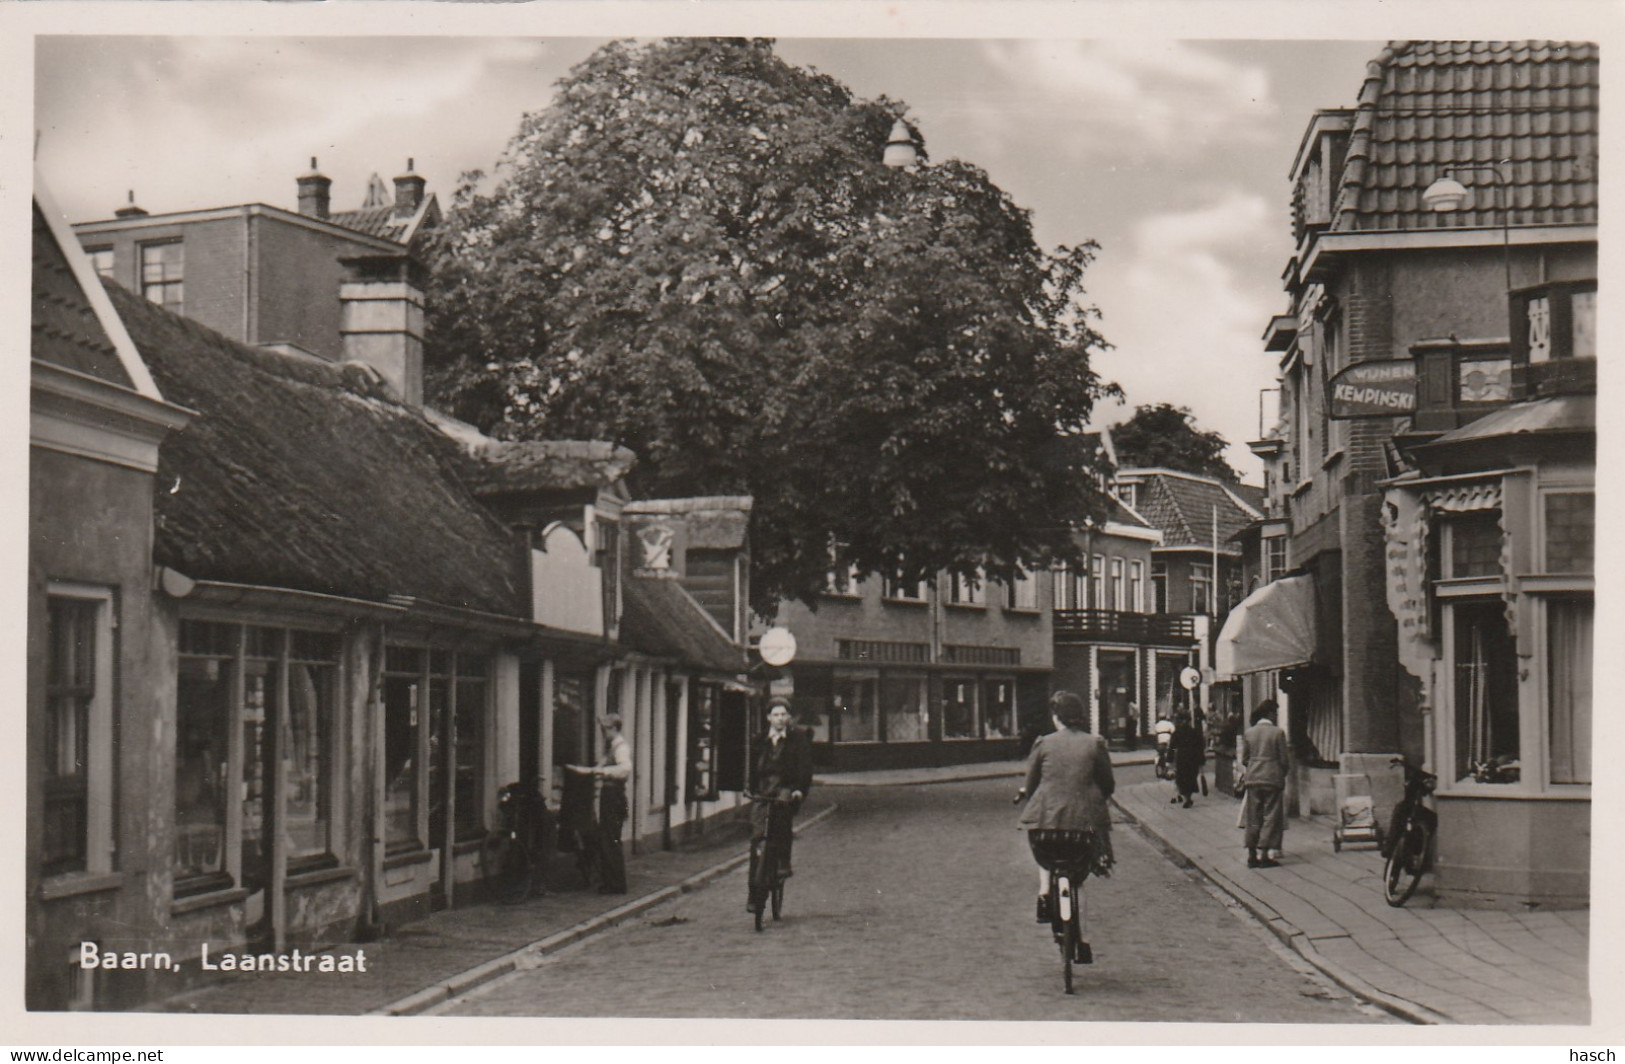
(1069, 780)
(1188, 758)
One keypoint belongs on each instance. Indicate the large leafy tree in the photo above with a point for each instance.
(1166, 435)
(695, 251)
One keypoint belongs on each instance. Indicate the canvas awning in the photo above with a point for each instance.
(1273, 628)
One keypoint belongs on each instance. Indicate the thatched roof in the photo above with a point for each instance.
(308, 476)
(663, 619)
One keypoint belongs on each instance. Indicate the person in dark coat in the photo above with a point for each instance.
(1189, 756)
(782, 769)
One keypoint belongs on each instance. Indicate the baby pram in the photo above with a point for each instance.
(1356, 822)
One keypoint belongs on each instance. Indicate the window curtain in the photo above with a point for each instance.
(1568, 633)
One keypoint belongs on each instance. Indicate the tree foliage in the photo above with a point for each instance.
(696, 252)
(1166, 435)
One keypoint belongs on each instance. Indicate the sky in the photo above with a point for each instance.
(1172, 154)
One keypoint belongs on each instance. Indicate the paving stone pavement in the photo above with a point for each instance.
(1429, 964)
(917, 903)
(446, 945)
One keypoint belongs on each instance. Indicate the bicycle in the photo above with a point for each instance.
(766, 880)
(511, 871)
(1065, 856)
(1410, 833)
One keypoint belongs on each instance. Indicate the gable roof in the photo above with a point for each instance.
(308, 476)
(73, 325)
(660, 617)
(1427, 104)
(1182, 506)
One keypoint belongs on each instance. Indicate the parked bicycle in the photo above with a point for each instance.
(767, 858)
(1409, 837)
(512, 854)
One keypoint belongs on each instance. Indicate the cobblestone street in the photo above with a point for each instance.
(916, 903)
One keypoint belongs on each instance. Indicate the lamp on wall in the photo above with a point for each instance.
(1446, 194)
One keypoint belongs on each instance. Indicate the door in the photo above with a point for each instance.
(1118, 712)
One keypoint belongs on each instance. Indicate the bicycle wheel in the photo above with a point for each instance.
(1402, 872)
(1069, 949)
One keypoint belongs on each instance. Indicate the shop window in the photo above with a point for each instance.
(855, 707)
(162, 269)
(1170, 696)
(252, 682)
(469, 737)
(1568, 668)
(1475, 545)
(309, 763)
(1485, 688)
(702, 745)
(1571, 521)
(77, 833)
(902, 702)
(434, 766)
(572, 717)
(1000, 699)
(961, 709)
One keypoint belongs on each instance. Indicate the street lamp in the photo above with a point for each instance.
(1447, 194)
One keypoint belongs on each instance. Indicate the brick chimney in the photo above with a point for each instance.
(408, 192)
(313, 192)
(130, 210)
(381, 320)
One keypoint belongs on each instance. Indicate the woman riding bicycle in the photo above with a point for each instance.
(782, 769)
(1069, 779)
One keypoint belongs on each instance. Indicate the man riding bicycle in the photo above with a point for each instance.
(1069, 779)
(782, 769)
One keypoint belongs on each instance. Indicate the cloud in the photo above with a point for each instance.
(1186, 320)
(1165, 98)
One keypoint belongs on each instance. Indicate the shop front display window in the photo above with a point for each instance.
(470, 744)
(1568, 648)
(1485, 689)
(855, 706)
(1001, 707)
(902, 700)
(960, 709)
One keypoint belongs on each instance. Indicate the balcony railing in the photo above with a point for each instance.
(1116, 626)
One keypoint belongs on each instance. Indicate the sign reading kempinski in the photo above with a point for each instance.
(1374, 389)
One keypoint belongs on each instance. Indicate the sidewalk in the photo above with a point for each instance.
(1428, 965)
(450, 952)
(902, 777)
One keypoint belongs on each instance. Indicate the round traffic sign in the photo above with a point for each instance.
(1189, 678)
(778, 647)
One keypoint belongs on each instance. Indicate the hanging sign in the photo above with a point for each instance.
(1373, 389)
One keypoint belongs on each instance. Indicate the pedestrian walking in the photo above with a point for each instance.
(1265, 761)
(1187, 749)
(614, 773)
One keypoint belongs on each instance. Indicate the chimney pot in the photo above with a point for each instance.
(130, 210)
(314, 192)
(408, 192)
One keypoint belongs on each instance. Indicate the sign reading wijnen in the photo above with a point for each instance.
(1374, 389)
